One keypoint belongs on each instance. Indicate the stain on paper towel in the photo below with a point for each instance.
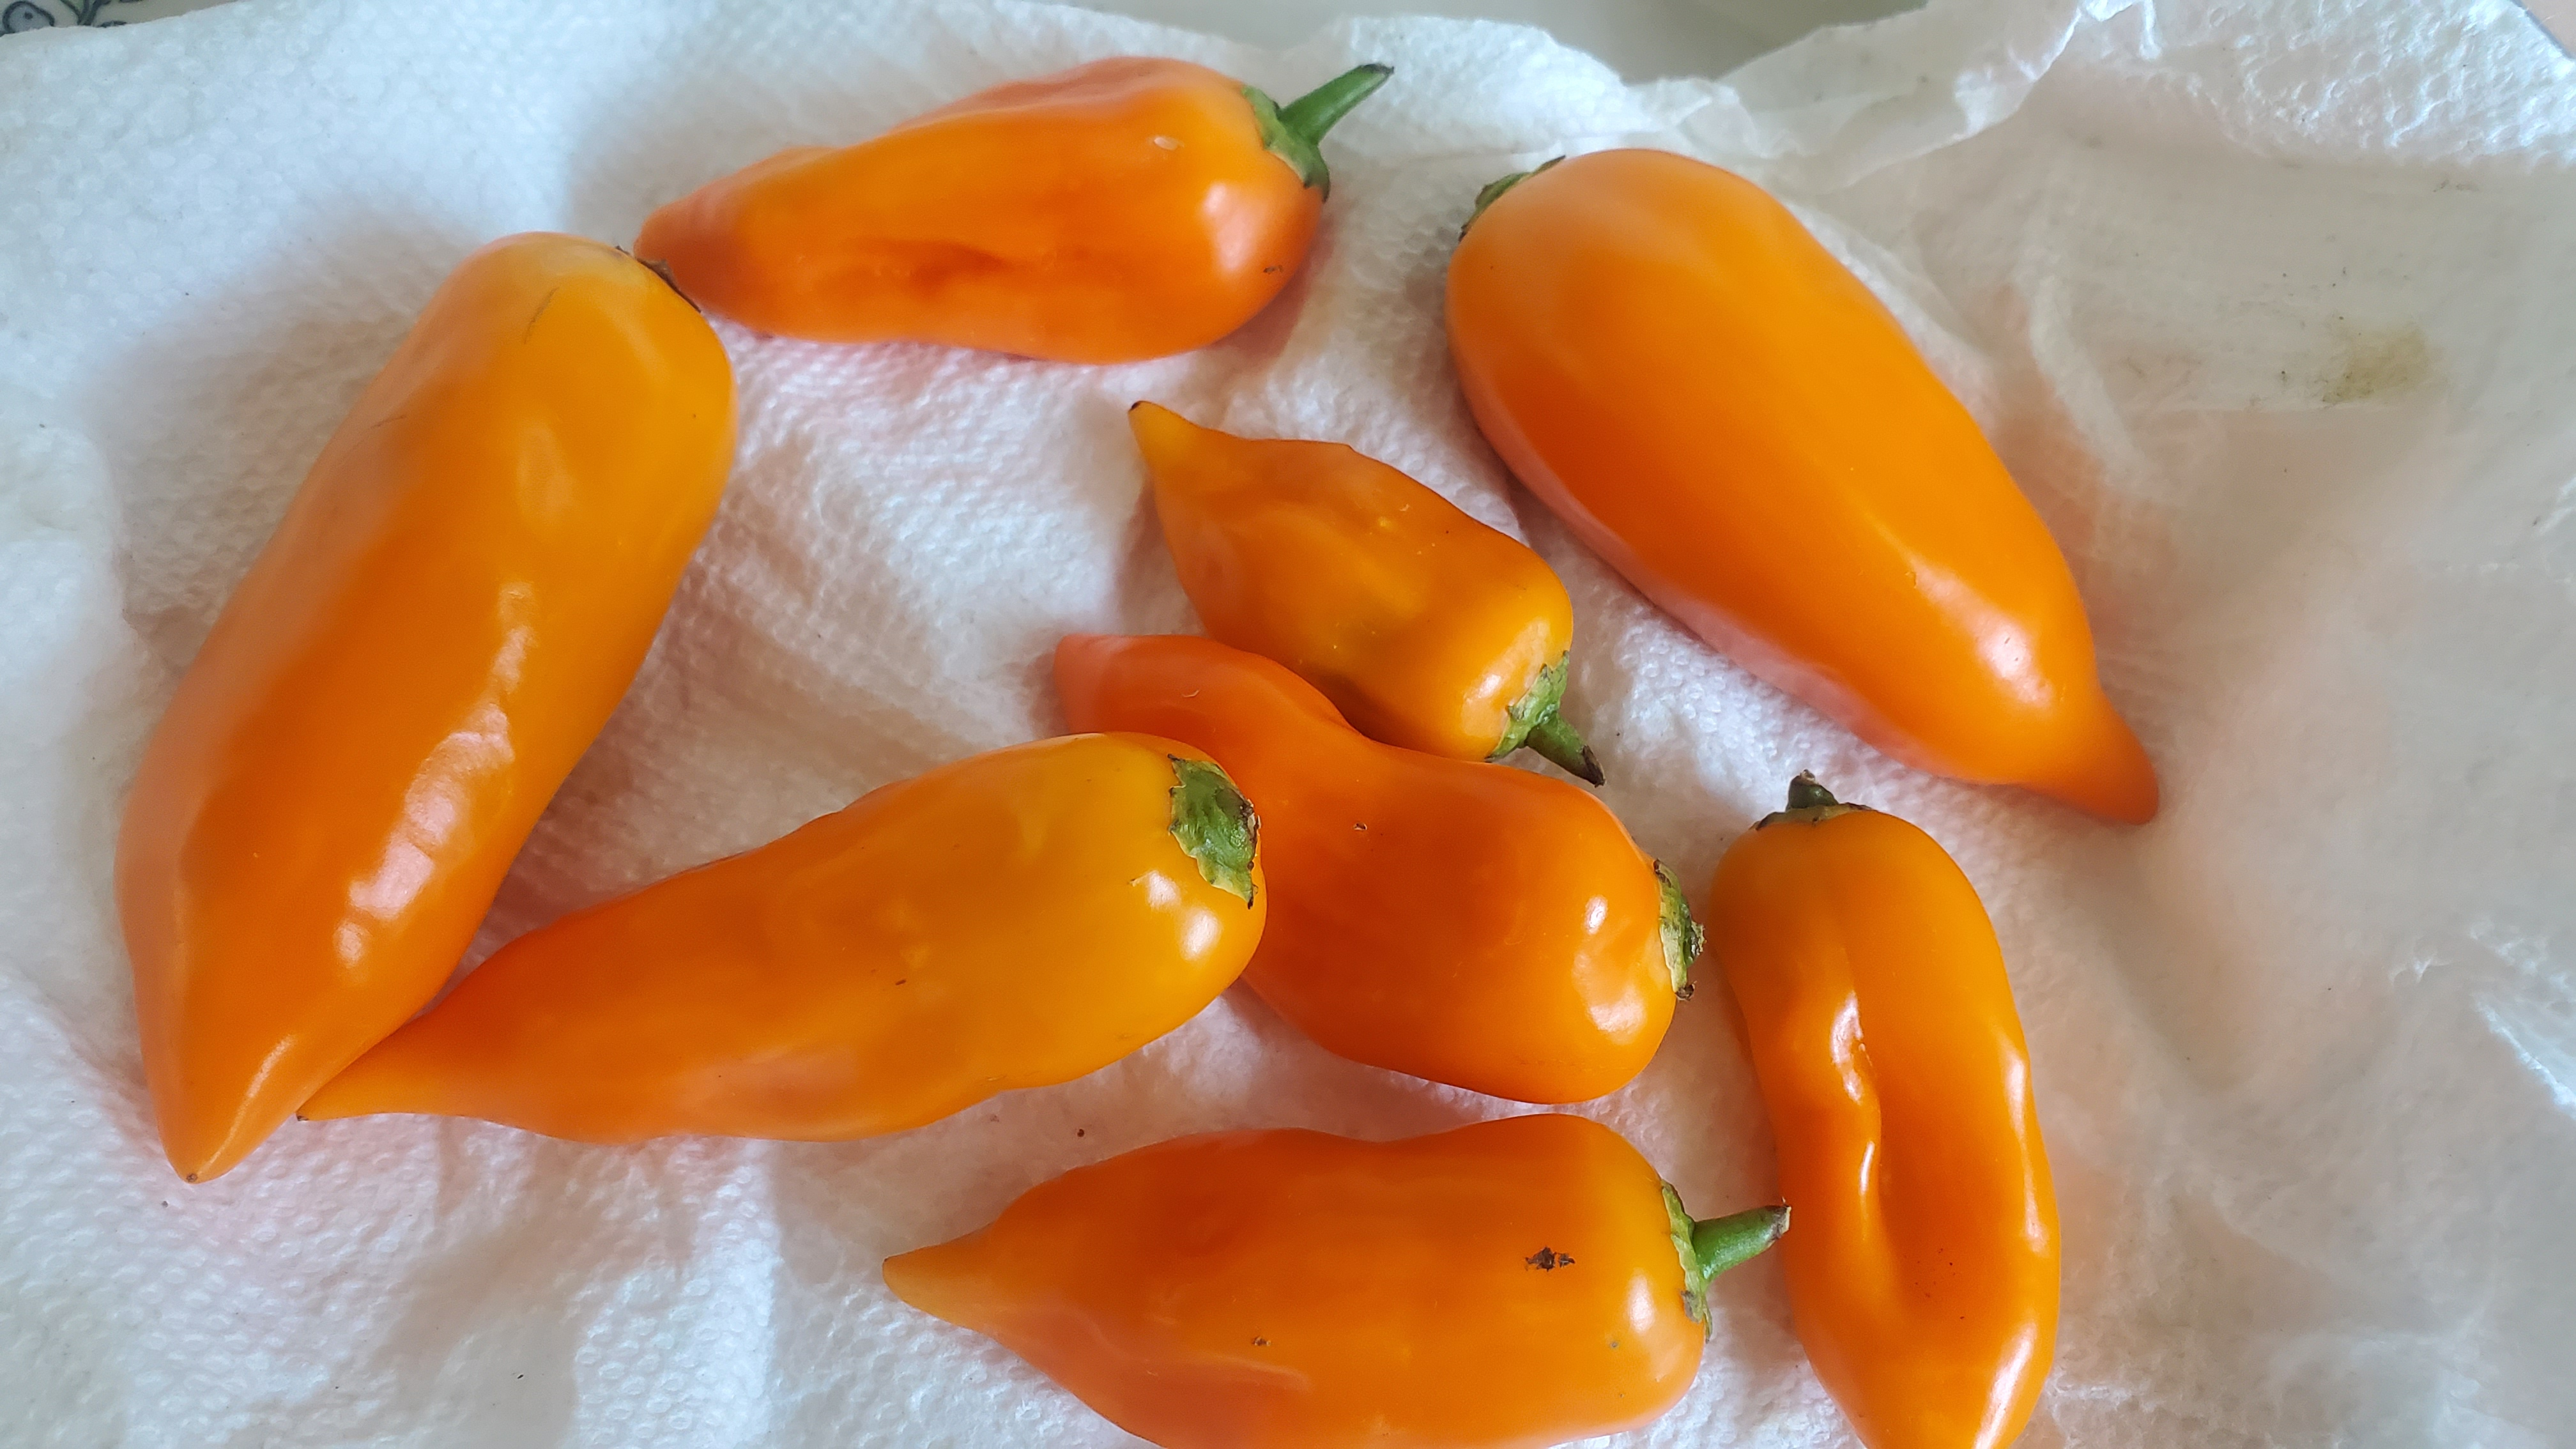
(2372, 362)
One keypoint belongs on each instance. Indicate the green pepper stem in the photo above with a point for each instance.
(1318, 110)
(1722, 1243)
(1806, 794)
(1809, 803)
(1557, 743)
(1710, 1248)
(1295, 132)
(1534, 720)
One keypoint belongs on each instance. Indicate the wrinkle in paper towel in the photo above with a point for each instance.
(2265, 305)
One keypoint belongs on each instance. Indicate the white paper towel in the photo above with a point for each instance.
(2267, 304)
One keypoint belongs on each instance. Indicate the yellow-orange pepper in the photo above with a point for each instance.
(454, 602)
(1125, 209)
(1470, 923)
(1694, 384)
(1924, 1273)
(1506, 1285)
(1425, 628)
(1012, 920)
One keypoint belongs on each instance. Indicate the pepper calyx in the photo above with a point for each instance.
(1295, 132)
(1710, 1248)
(1683, 935)
(1810, 803)
(1533, 720)
(1215, 825)
(1494, 189)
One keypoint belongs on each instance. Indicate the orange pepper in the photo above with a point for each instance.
(1924, 1273)
(1505, 1285)
(1125, 209)
(454, 602)
(1469, 923)
(1425, 628)
(1012, 920)
(1671, 363)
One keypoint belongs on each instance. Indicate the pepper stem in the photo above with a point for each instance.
(1710, 1248)
(1556, 742)
(1495, 188)
(1295, 132)
(1215, 825)
(1806, 793)
(1683, 936)
(1809, 803)
(1739, 1238)
(1534, 721)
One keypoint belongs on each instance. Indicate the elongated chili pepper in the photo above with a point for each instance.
(1425, 628)
(1671, 363)
(1924, 1274)
(454, 602)
(1012, 920)
(1124, 209)
(1505, 1285)
(1470, 923)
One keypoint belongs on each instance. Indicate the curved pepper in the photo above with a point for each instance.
(1425, 628)
(1505, 1285)
(1125, 209)
(1924, 1274)
(1469, 923)
(454, 602)
(1015, 919)
(1671, 363)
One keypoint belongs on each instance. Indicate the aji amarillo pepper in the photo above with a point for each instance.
(1014, 919)
(452, 605)
(1470, 923)
(1923, 1277)
(1124, 209)
(1505, 1285)
(1425, 628)
(1694, 384)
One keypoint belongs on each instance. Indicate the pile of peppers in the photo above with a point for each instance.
(1312, 798)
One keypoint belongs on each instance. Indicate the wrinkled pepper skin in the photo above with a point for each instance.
(452, 605)
(1923, 1276)
(1469, 923)
(1011, 920)
(1675, 366)
(1505, 1285)
(1425, 628)
(1124, 209)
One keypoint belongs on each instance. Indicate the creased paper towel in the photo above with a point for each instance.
(2268, 306)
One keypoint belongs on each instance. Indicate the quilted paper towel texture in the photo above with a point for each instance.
(2265, 304)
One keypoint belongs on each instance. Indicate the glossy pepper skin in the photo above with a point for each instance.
(1924, 1273)
(1425, 628)
(1721, 410)
(1124, 209)
(1014, 919)
(452, 605)
(1474, 924)
(1504, 1285)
